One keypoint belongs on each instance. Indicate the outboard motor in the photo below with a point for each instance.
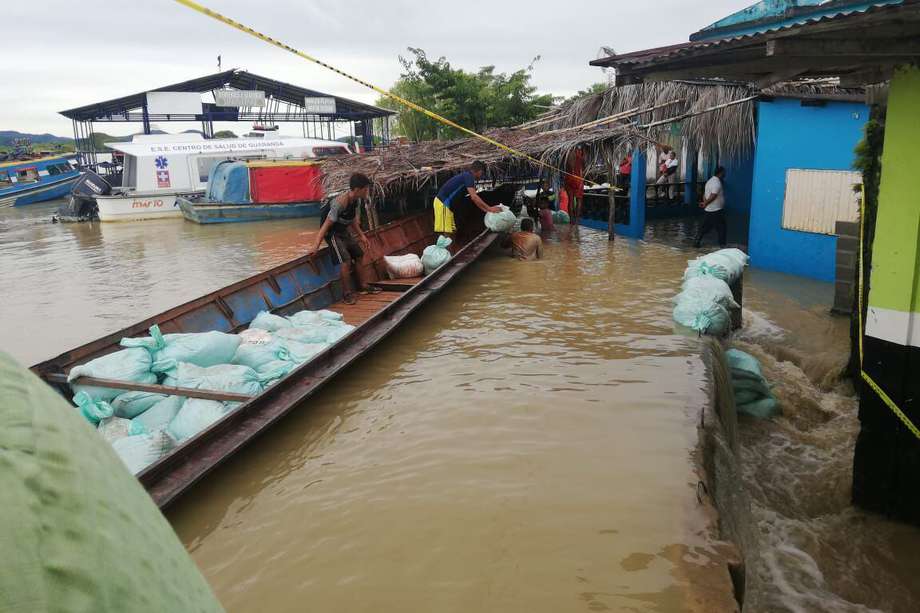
(82, 203)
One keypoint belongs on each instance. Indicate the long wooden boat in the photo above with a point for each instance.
(203, 211)
(308, 282)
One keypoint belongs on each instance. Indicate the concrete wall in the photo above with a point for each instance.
(886, 469)
(790, 135)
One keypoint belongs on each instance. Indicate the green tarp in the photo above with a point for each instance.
(78, 532)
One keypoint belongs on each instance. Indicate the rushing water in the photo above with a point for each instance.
(526, 443)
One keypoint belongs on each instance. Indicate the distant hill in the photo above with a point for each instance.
(7, 137)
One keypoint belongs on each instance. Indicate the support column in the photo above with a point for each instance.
(636, 226)
(886, 467)
(690, 198)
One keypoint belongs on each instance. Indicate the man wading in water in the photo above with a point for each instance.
(337, 217)
(444, 222)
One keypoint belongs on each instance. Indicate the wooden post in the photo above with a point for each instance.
(611, 200)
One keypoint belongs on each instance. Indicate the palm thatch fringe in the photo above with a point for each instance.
(716, 118)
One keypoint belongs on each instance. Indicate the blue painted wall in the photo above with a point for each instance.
(636, 226)
(790, 135)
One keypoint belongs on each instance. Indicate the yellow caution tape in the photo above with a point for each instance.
(872, 384)
(415, 107)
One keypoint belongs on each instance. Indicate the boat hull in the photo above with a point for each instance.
(41, 192)
(138, 206)
(309, 282)
(212, 212)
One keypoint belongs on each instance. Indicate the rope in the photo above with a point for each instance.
(415, 107)
(872, 384)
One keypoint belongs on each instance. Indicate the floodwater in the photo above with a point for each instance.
(527, 443)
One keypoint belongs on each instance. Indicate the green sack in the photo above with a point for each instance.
(435, 256)
(201, 349)
(132, 365)
(502, 221)
(743, 365)
(93, 410)
(157, 417)
(231, 378)
(764, 408)
(140, 451)
(79, 534)
(702, 314)
(716, 289)
(561, 217)
(194, 416)
(267, 321)
(131, 404)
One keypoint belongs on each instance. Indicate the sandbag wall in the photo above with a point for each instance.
(144, 426)
(706, 301)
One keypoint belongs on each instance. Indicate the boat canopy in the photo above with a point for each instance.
(265, 181)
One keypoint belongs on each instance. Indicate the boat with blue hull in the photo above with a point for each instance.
(204, 211)
(37, 180)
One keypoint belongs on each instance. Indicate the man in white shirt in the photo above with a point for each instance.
(713, 206)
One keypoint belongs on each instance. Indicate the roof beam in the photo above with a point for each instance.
(840, 47)
(878, 74)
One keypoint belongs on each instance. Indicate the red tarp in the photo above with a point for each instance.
(286, 183)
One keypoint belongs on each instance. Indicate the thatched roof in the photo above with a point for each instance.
(727, 132)
(408, 167)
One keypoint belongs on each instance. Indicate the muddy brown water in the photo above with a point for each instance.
(526, 443)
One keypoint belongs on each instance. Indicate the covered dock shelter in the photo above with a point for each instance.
(232, 96)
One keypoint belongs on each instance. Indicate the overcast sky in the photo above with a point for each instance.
(60, 54)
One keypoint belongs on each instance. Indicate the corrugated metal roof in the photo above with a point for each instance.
(671, 52)
(235, 78)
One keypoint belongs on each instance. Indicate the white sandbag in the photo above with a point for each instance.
(255, 336)
(403, 266)
(140, 451)
(338, 333)
(114, 428)
(305, 319)
(502, 221)
(267, 321)
(329, 315)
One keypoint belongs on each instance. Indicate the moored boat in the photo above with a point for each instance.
(160, 168)
(37, 180)
(309, 282)
(256, 191)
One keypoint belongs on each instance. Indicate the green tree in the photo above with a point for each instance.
(479, 101)
(595, 88)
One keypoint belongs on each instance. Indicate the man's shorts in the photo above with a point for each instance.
(443, 218)
(344, 248)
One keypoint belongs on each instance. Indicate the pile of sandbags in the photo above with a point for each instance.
(752, 392)
(144, 426)
(704, 302)
(502, 221)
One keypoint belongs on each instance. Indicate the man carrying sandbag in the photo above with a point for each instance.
(450, 194)
(338, 218)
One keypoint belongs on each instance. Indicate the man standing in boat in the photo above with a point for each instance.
(338, 219)
(451, 193)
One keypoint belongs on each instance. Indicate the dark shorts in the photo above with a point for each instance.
(344, 248)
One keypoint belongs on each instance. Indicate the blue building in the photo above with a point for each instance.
(785, 199)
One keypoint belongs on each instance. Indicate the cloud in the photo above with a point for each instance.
(74, 53)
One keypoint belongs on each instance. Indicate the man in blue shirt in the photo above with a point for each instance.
(452, 191)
